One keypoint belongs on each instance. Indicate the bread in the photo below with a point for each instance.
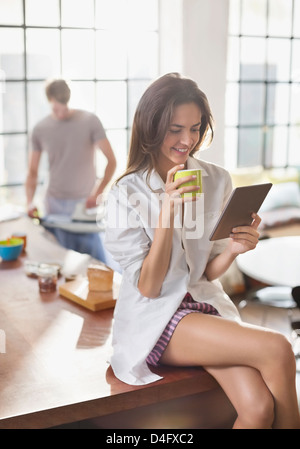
(100, 278)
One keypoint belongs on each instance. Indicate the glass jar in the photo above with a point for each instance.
(47, 278)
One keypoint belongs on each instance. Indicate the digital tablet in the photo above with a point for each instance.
(242, 203)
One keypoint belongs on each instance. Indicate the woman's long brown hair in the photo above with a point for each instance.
(153, 117)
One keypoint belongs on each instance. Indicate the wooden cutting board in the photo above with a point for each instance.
(78, 291)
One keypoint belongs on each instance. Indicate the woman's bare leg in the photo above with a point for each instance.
(249, 395)
(215, 343)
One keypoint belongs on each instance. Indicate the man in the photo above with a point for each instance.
(70, 138)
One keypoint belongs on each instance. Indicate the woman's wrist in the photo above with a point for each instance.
(166, 218)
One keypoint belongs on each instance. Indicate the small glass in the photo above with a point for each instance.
(47, 278)
(31, 268)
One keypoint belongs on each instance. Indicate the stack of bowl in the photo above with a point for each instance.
(11, 248)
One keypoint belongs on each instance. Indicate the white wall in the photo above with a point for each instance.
(194, 43)
(171, 30)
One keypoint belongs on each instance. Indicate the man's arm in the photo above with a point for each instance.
(31, 181)
(99, 187)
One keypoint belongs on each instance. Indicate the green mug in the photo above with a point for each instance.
(196, 182)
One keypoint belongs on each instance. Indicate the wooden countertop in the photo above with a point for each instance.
(55, 368)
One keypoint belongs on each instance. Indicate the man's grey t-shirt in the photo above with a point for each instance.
(70, 145)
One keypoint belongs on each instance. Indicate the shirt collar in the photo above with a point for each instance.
(196, 163)
(155, 181)
(157, 184)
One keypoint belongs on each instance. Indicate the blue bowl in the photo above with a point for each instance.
(11, 249)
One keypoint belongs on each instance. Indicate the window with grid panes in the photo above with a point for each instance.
(108, 50)
(263, 84)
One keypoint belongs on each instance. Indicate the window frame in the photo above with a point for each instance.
(233, 152)
(26, 80)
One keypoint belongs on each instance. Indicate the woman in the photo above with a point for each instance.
(172, 308)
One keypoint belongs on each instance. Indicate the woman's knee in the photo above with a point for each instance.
(262, 412)
(277, 358)
(257, 411)
(282, 352)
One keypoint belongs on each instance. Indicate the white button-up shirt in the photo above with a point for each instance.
(133, 210)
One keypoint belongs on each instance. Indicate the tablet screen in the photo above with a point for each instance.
(242, 203)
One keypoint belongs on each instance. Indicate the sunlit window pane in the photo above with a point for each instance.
(252, 104)
(14, 195)
(42, 13)
(280, 17)
(295, 104)
(127, 15)
(83, 95)
(279, 51)
(77, 13)
(111, 104)
(254, 17)
(78, 54)
(278, 103)
(135, 91)
(296, 60)
(142, 55)
(11, 53)
(118, 140)
(297, 18)
(264, 59)
(147, 13)
(11, 12)
(276, 146)
(108, 50)
(15, 159)
(37, 103)
(250, 147)
(42, 53)
(294, 153)
(111, 51)
(234, 17)
(111, 14)
(12, 115)
(252, 58)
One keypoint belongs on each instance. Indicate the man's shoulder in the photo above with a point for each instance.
(87, 117)
(82, 114)
(47, 119)
(43, 123)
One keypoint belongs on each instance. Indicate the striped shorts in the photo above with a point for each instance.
(188, 305)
